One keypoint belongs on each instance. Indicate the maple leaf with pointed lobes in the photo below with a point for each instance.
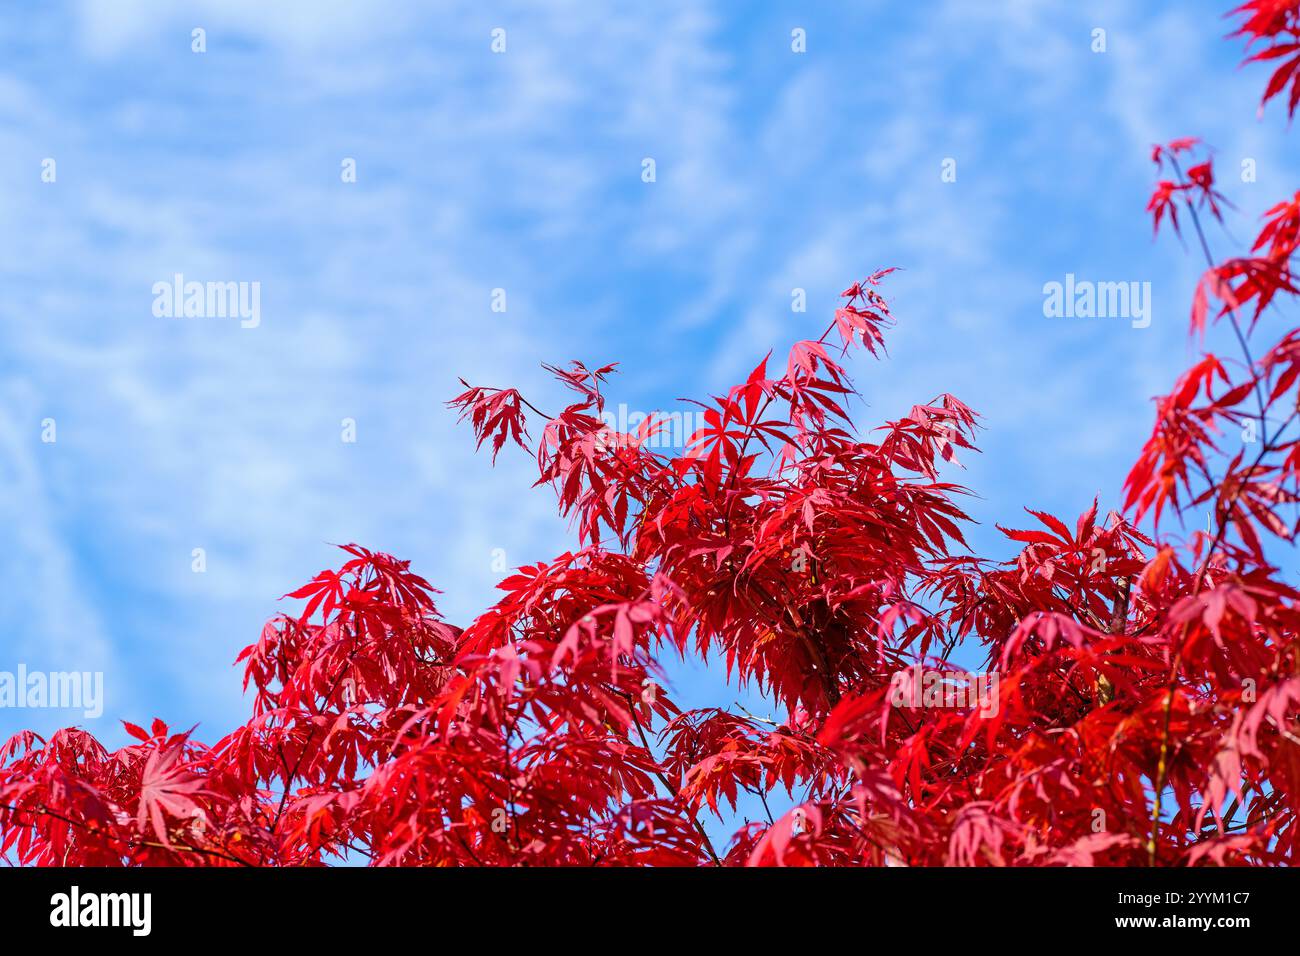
(495, 413)
(1165, 200)
(1201, 179)
(1281, 232)
(1162, 152)
(866, 315)
(1276, 22)
(169, 790)
(1258, 279)
(1198, 181)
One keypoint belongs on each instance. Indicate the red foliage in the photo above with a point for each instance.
(1140, 704)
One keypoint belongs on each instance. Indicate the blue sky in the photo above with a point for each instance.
(775, 170)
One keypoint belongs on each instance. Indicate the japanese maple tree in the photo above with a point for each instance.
(1147, 693)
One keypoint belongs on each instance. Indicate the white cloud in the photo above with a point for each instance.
(51, 618)
(195, 433)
